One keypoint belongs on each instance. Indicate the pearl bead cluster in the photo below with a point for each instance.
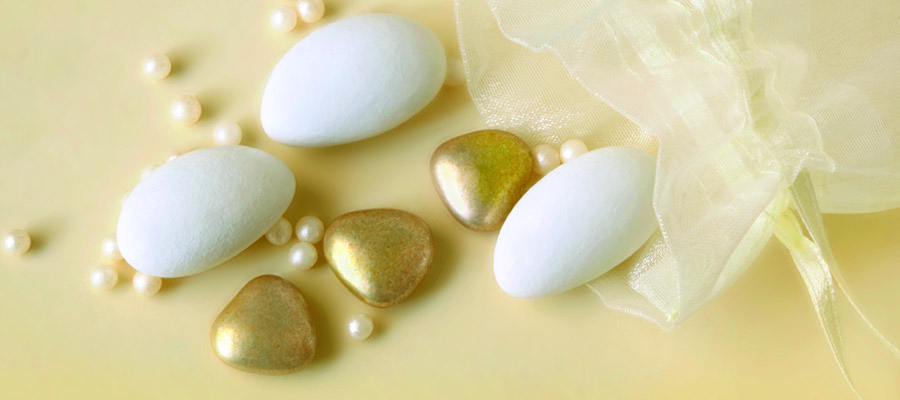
(546, 158)
(309, 230)
(105, 276)
(284, 18)
(186, 108)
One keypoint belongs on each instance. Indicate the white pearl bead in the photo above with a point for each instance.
(227, 133)
(546, 158)
(156, 66)
(110, 250)
(310, 229)
(16, 242)
(186, 109)
(360, 326)
(456, 73)
(104, 277)
(283, 19)
(571, 148)
(145, 285)
(303, 255)
(311, 10)
(280, 233)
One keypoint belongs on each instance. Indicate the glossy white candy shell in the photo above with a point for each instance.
(202, 208)
(352, 79)
(578, 222)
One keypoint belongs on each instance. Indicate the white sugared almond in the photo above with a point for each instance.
(576, 223)
(201, 208)
(388, 68)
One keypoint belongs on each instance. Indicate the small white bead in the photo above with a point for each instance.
(110, 250)
(16, 242)
(145, 285)
(156, 66)
(456, 73)
(186, 109)
(227, 133)
(310, 229)
(171, 157)
(571, 148)
(360, 326)
(283, 19)
(280, 233)
(303, 255)
(104, 277)
(311, 10)
(546, 158)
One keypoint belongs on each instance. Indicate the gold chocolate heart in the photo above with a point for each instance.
(481, 175)
(266, 328)
(380, 255)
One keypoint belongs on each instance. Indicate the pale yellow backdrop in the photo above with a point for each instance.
(78, 122)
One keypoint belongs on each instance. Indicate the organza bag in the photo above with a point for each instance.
(761, 114)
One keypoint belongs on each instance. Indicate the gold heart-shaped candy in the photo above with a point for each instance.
(380, 255)
(266, 328)
(481, 175)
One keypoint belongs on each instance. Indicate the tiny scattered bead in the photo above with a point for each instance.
(360, 326)
(17, 242)
(283, 19)
(104, 277)
(310, 229)
(546, 158)
(280, 233)
(186, 109)
(227, 133)
(456, 73)
(145, 285)
(110, 250)
(303, 255)
(311, 10)
(571, 148)
(156, 66)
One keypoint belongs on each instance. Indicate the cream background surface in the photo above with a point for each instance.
(78, 122)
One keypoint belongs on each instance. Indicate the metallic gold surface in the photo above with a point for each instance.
(481, 175)
(380, 255)
(266, 328)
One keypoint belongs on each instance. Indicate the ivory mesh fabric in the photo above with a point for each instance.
(735, 97)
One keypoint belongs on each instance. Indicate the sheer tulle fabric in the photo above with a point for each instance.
(737, 99)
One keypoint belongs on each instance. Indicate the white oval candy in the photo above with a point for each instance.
(202, 208)
(352, 79)
(576, 223)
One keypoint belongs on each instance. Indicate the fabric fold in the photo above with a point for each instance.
(734, 97)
